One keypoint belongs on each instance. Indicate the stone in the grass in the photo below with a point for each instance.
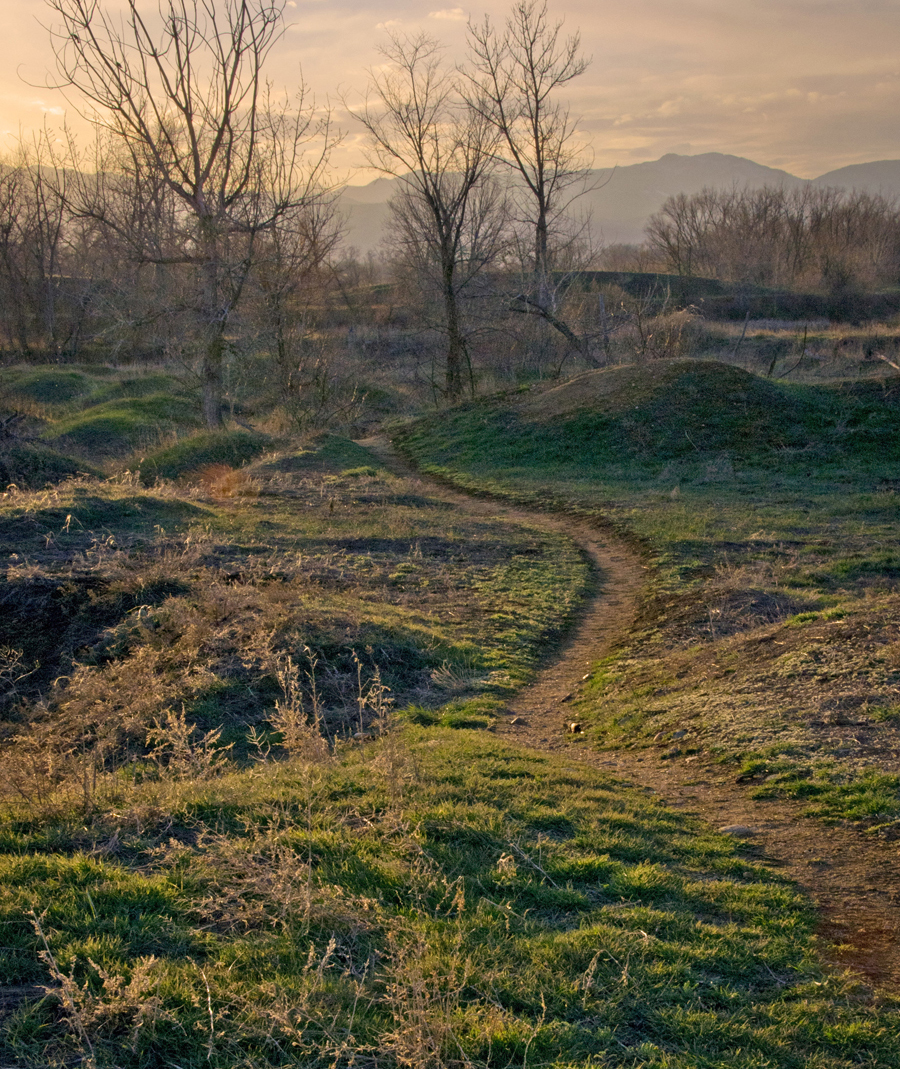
(739, 831)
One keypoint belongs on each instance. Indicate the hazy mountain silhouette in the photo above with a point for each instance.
(624, 198)
(621, 199)
(883, 177)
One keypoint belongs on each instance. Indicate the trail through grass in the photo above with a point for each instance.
(770, 513)
(248, 822)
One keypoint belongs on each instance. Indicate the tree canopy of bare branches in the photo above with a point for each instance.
(189, 117)
(826, 239)
(512, 77)
(33, 249)
(448, 216)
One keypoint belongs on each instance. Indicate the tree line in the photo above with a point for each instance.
(205, 208)
(202, 220)
(818, 239)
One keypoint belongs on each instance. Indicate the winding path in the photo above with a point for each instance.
(853, 879)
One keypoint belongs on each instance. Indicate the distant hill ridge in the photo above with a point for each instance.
(621, 199)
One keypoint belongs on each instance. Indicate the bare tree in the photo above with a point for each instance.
(14, 229)
(448, 216)
(288, 286)
(512, 78)
(183, 98)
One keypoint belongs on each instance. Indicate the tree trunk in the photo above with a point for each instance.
(543, 291)
(212, 381)
(580, 345)
(457, 354)
(214, 327)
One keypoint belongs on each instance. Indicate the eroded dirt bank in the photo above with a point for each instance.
(853, 878)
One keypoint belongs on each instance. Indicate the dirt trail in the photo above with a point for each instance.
(853, 879)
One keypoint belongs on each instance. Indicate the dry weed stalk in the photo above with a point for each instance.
(121, 1002)
(12, 672)
(458, 678)
(317, 1029)
(51, 763)
(182, 751)
(373, 700)
(302, 734)
(29, 773)
(425, 1005)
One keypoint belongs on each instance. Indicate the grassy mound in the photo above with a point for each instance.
(56, 387)
(203, 450)
(654, 414)
(139, 386)
(324, 453)
(47, 385)
(118, 427)
(31, 466)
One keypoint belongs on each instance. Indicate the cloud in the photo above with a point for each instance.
(809, 85)
(48, 109)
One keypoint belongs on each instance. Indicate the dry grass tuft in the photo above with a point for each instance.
(224, 481)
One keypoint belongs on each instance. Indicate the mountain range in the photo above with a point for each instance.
(620, 200)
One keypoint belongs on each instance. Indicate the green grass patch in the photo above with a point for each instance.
(31, 466)
(205, 449)
(661, 414)
(145, 385)
(768, 512)
(885, 713)
(118, 427)
(435, 893)
(59, 390)
(52, 386)
(326, 453)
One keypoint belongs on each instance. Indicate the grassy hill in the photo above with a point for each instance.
(770, 514)
(636, 420)
(85, 419)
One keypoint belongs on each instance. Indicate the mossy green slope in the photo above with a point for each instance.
(121, 426)
(201, 450)
(66, 387)
(769, 513)
(643, 417)
(30, 466)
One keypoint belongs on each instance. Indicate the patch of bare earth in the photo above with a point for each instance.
(852, 877)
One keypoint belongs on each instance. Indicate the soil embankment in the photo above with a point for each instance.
(853, 878)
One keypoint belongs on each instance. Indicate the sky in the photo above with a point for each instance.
(804, 85)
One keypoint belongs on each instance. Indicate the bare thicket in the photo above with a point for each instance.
(816, 238)
(40, 294)
(512, 80)
(199, 229)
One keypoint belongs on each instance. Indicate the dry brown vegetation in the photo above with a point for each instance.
(294, 606)
(801, 683)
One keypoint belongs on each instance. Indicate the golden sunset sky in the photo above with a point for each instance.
(805, 85)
